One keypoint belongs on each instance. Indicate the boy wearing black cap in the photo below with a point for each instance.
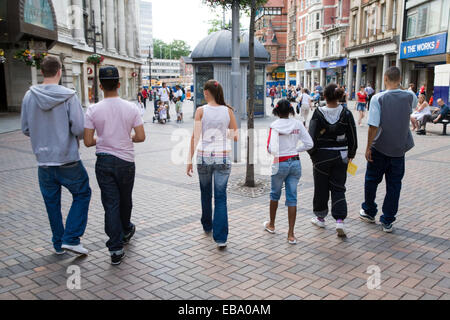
(114, 119)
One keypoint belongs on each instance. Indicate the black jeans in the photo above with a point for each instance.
(116, 180)
(330, 175)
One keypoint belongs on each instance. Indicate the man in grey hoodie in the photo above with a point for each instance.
(53, 118)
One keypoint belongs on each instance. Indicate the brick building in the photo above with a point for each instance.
(271, 31)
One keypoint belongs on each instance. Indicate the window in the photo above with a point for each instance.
(316, 48)
(317, 20)
(435, 11)
(366, 24)
(374, 22)
(394, 14)
(422, 20)
(383, 17)
(354, 27)
(301, 27)
(445, 18)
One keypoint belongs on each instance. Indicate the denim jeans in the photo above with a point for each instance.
(115, 178)
(330, 176)
(208, 169)
(74, 177)
(393, 169)
(289, 173)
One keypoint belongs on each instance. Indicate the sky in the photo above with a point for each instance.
(184, 20)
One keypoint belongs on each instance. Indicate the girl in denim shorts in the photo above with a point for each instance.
(284, 135)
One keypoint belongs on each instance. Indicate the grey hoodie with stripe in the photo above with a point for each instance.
(53, 118)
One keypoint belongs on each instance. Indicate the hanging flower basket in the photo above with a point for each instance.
(2, 56)
(30, 59)
(95, 59)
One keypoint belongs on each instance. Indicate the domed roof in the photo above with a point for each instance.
(217, 46)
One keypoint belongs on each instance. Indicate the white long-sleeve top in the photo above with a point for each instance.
(284, 137)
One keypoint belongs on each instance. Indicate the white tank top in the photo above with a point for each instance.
(215, 124)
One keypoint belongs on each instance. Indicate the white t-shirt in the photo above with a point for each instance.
(306, 99)
(164, 94)
(179, 93)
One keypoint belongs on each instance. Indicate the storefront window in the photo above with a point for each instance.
(3, 10)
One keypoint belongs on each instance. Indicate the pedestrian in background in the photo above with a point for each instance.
(284, 136)
(52, 117)
(333, 131)
(164, 96)
(273, 93)
(389, 138)
(305, 105)
(114, 119)
(144, 97)
(214, 124)
(370, 92)
(361, 106)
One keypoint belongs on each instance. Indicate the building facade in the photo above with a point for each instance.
(146, 36)
(271, 30)
(425, 43)
(117, 41)
(373, 46)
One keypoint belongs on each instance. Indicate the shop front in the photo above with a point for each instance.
(368, 63)
(28, 28)
(335, 71)
(312, 74)
(419, 58)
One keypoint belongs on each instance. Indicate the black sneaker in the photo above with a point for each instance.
(116, 259)
(127, 237)
(421, 132)
(365, 217)
(388, 228)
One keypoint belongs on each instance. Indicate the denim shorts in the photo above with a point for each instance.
(289, 173)
(361, 106)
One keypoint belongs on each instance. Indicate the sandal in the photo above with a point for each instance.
(265, 224)
(292, 241)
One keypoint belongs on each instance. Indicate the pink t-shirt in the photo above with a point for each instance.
(113, 119)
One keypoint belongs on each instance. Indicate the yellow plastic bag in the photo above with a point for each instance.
(352, 168)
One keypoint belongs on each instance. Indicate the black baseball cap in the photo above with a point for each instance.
(108, 73)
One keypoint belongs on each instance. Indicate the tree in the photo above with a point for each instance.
(174, 50)
(250, 172)
(251, 5)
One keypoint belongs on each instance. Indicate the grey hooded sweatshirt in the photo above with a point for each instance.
(53, 118)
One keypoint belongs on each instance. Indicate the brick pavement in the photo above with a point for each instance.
(171, 258)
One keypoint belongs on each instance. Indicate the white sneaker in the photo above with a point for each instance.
(340, 229)
(221, 245)
(60, 252)
(79, 249)
(317, 222)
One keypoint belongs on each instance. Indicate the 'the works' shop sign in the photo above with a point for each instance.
(424, 47)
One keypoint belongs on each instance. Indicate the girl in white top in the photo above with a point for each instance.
(284, 137)
(422, 109)
(214, 125)
(306, 105)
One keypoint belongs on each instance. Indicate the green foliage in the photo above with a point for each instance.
(244, 4)
(173, 50)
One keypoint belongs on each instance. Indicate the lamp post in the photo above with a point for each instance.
(149, 59)
(92, 38)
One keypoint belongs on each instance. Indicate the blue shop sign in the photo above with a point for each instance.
(424, 47)
(334, 64)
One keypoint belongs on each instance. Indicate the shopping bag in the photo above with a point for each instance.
(352, 168)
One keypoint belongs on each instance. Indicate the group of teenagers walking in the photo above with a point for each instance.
(53, 118)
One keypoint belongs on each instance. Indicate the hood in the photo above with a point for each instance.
(49, 96)
(284, 126)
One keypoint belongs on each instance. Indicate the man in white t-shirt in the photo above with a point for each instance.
(163, 94)
(114, 119)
